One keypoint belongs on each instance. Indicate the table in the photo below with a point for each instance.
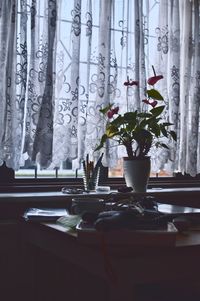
(129, 267)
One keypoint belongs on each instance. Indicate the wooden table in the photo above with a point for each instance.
(128, 267)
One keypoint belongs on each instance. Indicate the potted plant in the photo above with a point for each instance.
(138, 131)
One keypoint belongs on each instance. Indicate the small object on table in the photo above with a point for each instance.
(44, 214)
(72, 190)
(91, 173)
(103, 189)
(69, 221)
(148, 202)
(125, 189)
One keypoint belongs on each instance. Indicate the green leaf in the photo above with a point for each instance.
(118, 121)
(129, 128)
(155, 129)
(143, 123)
(163, 130)
(154, 94)
(167, 123)
(164, 145)
(130, 116)
(173, 134)
(141, 134)
(130, 120)
(111, 131)
(153, 120)
(144, 115)
(157, 111)
(103, 140)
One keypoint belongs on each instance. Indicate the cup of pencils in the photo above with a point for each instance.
(91, 173)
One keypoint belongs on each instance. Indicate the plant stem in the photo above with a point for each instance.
(129, 150)
(154, 72)
(127, 94)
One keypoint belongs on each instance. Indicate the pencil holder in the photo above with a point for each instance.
(91, 180)
(91, 173)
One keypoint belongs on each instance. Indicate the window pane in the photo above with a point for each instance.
(118, 172)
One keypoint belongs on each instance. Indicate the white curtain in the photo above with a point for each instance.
(179, 61)
(62, 60)
(26, 81)
(10, 119)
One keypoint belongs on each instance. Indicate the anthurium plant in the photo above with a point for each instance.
(138, 130)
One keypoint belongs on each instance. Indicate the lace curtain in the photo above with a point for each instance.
(61, 61)
(179, 61)
(26, 84)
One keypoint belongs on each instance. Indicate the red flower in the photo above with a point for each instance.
(153, 103)
(145, 101)
(113, 112)
(153, 80)
(131, 83)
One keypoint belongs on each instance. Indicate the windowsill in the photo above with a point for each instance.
(58, 195)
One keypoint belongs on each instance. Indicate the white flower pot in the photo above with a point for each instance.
(136, 173)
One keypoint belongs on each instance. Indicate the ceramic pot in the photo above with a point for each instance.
(136, 173)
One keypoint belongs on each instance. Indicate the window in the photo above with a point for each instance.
(65, 61)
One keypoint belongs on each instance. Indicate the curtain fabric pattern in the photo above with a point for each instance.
(179, 61)
(26, 86)
(61, 61)
(10, 121)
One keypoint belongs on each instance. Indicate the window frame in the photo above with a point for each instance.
(8, 182)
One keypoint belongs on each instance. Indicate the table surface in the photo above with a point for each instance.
(130, 266)
(185, 239)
